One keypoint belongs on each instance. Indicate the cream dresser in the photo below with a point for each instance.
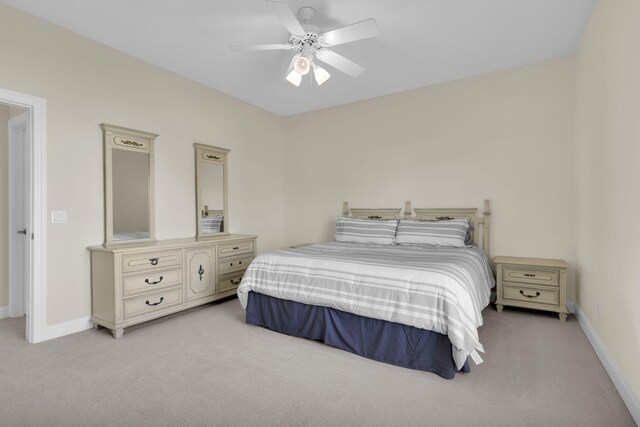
(134, 283)
(535, 283)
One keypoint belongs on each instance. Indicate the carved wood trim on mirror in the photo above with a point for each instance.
(128, 185)
(212, 218)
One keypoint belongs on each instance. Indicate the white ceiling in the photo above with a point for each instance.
(423, 42)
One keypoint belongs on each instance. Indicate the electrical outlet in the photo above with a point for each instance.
(598, 310)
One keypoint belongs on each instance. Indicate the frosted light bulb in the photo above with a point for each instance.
(302, 66)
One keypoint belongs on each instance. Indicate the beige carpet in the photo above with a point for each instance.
(207, 367)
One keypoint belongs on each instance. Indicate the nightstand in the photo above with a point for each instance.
(535, 283)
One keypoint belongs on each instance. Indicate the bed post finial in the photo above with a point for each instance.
(486, 224)
(407, 209)
(345, 209)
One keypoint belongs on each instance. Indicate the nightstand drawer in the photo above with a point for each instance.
(530, 294)
(528, 275)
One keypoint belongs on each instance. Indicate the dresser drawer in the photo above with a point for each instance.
(234, 264)
(529, 275)
(229, 282)
(530, 294)
(233, 249)
(150, 281)
(146, 304)
(149, 261)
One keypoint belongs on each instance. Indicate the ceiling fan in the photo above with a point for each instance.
(310, 44)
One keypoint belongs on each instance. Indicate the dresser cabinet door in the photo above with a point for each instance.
(201, 275)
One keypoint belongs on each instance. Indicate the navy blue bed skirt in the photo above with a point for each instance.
(388, 342)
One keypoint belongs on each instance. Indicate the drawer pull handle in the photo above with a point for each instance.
(155, 303)
(374, 217)
(239, 262)
(200, 272)
(235, 248)
(530, 296)
(154, 261)
(231, 264)
(529, 275)
(153, 283)
(236, 283)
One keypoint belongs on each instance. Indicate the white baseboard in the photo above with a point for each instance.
(70, 327)
(571, 306)
(626, 392)
(4, 312)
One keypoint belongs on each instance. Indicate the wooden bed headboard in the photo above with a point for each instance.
(481, 224)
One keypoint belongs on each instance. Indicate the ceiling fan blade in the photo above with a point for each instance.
(253, 47)
(286, 16)
(353, 32)
(339, 62)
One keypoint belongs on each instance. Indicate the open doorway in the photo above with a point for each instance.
(23, 211)
(15, 255)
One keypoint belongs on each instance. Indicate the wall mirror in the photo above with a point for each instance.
(211, 191)
(128, 181)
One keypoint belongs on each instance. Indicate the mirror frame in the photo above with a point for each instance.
(210, 154)
(121, 138)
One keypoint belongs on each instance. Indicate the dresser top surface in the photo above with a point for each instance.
(171, 243)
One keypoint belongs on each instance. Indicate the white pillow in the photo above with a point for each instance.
(375, 231)
(440, 233)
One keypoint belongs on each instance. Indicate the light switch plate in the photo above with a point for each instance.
(59, 217)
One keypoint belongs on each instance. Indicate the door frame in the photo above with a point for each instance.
(36, 291)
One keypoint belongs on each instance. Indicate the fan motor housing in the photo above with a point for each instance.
(312, 40)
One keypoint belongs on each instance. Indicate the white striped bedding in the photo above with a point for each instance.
(442, 289)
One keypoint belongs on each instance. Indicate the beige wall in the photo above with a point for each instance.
(4, 206)
(85, 84)
(506, 136)
(608, 180)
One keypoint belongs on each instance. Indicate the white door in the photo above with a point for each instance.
(19, 214)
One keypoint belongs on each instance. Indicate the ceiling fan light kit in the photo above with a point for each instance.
(311, 44)
(321, 75)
